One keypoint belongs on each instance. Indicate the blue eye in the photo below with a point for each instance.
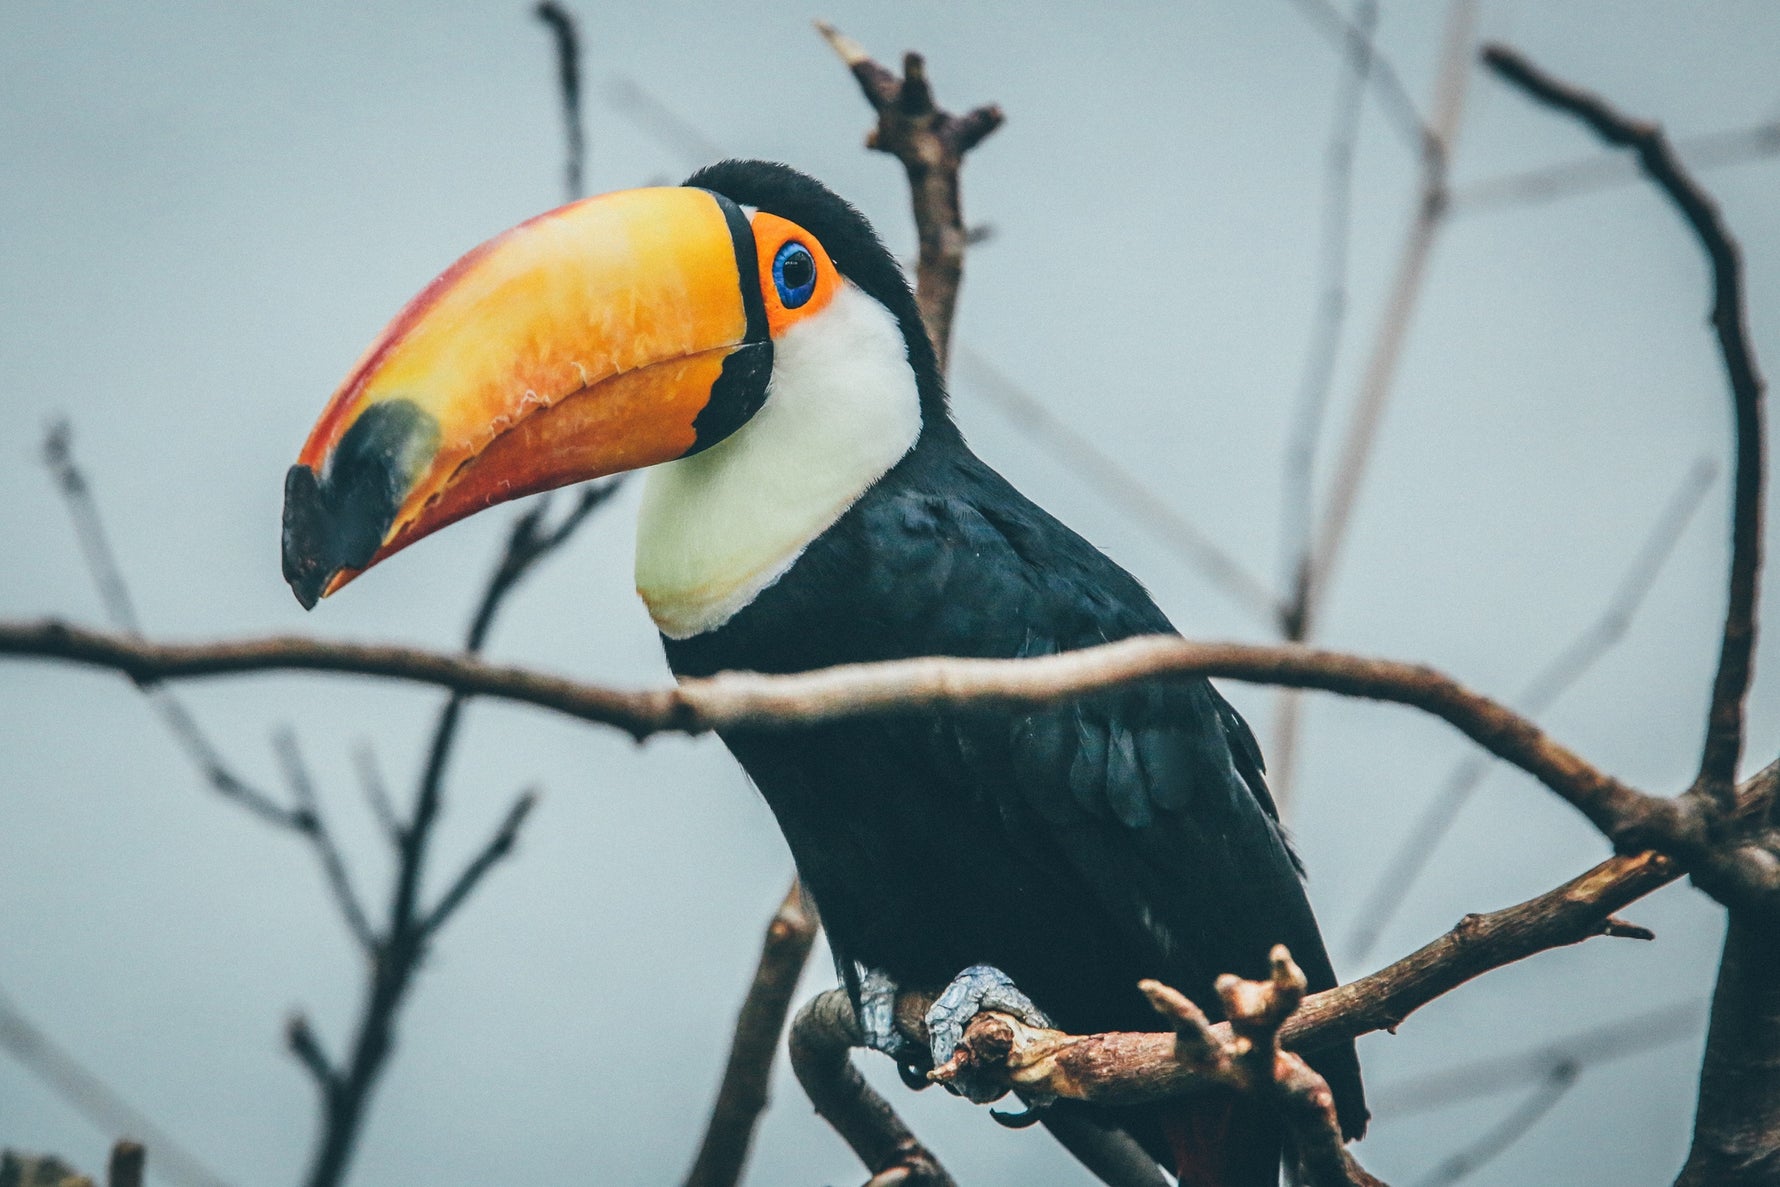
(794, 273)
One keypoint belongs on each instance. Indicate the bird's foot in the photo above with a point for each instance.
(979, 987)
(877, 1025)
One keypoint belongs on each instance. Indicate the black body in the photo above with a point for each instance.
(1079, 848)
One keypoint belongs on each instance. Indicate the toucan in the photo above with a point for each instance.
(809, 501)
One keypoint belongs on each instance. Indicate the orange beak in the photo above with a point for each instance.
(612, 334)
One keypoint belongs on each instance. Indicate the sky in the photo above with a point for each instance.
(209, 209)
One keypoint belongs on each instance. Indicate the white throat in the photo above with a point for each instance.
(718, 527)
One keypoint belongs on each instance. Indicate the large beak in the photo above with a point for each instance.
(611, 334)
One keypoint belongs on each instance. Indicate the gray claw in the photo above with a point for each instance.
(877, 1014)
(979, 987)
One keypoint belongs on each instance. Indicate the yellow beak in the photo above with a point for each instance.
(612, 334)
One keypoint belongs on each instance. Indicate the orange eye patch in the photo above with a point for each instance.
(797, 279)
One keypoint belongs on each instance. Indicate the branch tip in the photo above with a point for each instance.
(850, 52)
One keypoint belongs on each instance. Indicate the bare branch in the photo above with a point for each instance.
(1416, 850)
(1610, 1041)
(89, 527)
(376, 790)
(94, 1099)
(126, 1165)
(1241, 1055)
(305, 1044)
(1299, 469)
(1730, 319)
(114, 594)
(1150, 512)
(1737, 1121)
(931, 143)
(313, 825)
(660, 121)
(1556, 1084)
(1712, 150)
(822, 1035)
(497, 847)
(1314, 573)
(410, 928)
(568, 77)
(751, 700)
(1354, 38)
(1121, 1068)
(1379, 379)
(742, 1098)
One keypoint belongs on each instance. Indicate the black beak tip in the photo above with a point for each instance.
(338, 519)
(305, 536)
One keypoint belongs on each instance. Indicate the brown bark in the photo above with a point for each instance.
(1736, 1137)
(742, 1097)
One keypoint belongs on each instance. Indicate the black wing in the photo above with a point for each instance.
(1151, 800)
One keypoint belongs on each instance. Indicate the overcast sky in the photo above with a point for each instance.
(209, 209)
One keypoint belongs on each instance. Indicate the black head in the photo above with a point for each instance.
(850, 242)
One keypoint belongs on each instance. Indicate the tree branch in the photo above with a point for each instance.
(1087, 461)
(94, 1099)
(305, 1044)
(1711, 150)
(822, 1036)
(498, 846)
(125, 1167)
(568, 82)
(1391, 890)
(313, 825)
(1553, 1087)
(749, 700)
(1298, 472)
(742, 1098)
(931, 143)
(1618, 1039)
(1730, 318)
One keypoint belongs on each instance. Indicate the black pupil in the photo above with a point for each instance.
(798, 269)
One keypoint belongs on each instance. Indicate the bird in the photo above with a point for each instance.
(748, 340)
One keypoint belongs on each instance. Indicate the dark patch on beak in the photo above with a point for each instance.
(337, 520)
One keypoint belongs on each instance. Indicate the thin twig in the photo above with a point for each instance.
(114, 593)
(1540, 1101)
(1318, 373)
(96, 1100)
(1314, 573)
(742, 1097)
(1150, 512)
(411, 928)
(655, 117)
(315, 826)
(1355, 40)
(302, 1041)
(89, 527)
(1379, 380)
(1712, 150)
(1730, 321)
(1412, 856)
(568, 78)
(1610, 1041)
(376, 789)
(498, 846)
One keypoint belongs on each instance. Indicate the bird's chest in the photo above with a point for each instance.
(902, 853)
